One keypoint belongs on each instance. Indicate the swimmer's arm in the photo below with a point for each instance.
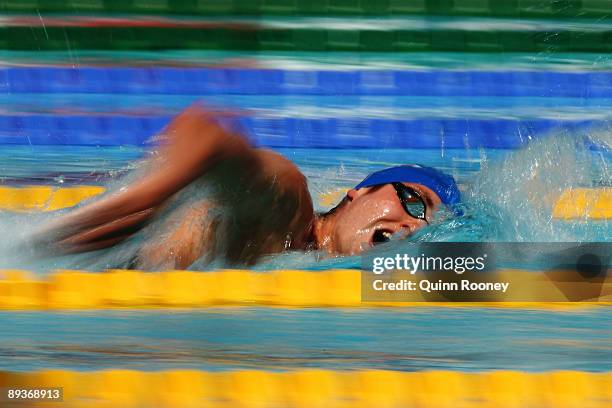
(186, 236)
(191, 145)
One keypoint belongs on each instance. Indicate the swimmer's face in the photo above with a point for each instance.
(371, 215)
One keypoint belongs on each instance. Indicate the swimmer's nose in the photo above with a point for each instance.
(411, 225)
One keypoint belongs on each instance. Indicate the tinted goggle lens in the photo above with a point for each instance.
(411, 201)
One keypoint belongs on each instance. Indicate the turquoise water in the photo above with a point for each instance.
(279, 339)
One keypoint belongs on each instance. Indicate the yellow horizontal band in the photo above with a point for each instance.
(286, 288)
(45, 198)
(576, 203)
(319, 388)
(584, 203)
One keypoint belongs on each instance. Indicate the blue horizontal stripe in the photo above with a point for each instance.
(293, 132)
(321, 106)
(205, 81)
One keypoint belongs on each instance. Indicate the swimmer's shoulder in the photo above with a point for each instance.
(280, 169)
(295, 208)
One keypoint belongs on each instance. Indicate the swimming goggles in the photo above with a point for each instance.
(411, 200)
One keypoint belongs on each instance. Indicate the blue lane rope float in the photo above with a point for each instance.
(432, 133)
(212, 81)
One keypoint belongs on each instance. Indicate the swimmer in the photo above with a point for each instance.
(262, 205)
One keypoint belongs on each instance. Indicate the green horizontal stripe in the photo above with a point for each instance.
(495, 8)
(307, 60)
(264, 38)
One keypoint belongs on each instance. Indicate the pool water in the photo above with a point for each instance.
(468, 339)
(68, 131)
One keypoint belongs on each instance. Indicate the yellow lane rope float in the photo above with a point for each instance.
(315, 388)
(68, 289)
(579, 203)
(45, 198)
(584, 203)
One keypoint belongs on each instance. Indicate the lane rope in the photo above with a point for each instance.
(318, 388)
(73, 289)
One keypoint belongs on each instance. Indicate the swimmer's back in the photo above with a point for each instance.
(259, 208)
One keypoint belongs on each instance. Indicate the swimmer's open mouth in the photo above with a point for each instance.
(381, 236)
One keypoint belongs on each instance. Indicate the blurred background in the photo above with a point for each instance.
(342, 87)
(449, 78)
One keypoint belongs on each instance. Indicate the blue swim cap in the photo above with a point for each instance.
(440, 183)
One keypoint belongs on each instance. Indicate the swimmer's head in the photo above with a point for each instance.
(392, 202)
